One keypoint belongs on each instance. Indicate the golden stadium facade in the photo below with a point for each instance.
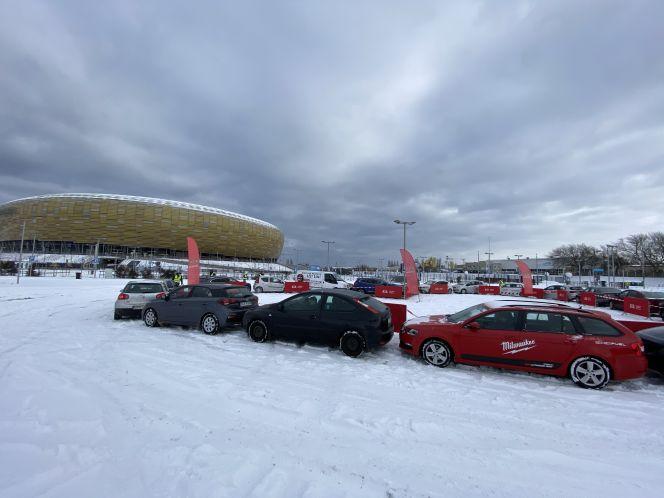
(120, 223)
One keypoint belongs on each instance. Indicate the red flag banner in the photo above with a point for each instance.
(412, 282)
(194, 270)
(527, 278)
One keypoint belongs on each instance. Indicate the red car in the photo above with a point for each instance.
(590, 347)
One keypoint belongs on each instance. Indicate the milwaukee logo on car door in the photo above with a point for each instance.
(531, 339)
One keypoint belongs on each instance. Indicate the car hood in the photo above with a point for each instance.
(428, 320)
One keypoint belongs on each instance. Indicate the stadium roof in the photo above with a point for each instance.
(150, 200)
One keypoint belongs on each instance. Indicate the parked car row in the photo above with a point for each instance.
(588, 346)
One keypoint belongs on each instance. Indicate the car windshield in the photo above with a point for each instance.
(464, 315)
(654, 295)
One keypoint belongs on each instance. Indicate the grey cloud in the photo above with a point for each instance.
(531, 123)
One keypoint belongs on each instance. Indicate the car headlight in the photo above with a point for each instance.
(411, 331)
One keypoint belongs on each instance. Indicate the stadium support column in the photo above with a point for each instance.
(20, 257)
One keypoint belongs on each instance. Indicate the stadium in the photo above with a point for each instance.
(124, 226)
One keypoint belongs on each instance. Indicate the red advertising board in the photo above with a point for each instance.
(438, 289)
(562, 295)
(296, 286)
(389, 291)
(492, 290)
(398, 312)
(637, 306)
(539, 293)
(588, 298)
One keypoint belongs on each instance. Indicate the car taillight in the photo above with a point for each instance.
(373, 310)
(229, 300)
(638, 349)
(161, 295)
(123, 296)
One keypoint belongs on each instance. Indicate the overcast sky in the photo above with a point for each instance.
(534, 123)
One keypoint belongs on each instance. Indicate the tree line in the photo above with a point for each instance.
(632, 254)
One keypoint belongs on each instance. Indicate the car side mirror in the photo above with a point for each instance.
(473, 326)
(167, 297)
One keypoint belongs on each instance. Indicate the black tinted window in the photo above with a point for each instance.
(594, 326)
(500, 320)
(537, 321)
(142, 288)
(201, 292)
(337, 304)
(308, 302)
(181, 293)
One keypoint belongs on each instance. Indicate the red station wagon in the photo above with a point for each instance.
(590, 347)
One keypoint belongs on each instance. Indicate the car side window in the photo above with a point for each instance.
(330, 279)
(308, 302)
(499, 320)
(181, 293)
(537, 321)
(335, 304)
(201, 292)
(595, 326)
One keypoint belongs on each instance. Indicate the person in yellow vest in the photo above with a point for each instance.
(177, 279)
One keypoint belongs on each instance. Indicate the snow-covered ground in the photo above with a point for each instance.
(90, 406)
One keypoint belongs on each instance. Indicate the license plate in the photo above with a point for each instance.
(245, 304)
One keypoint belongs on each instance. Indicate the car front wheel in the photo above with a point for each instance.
(150, 318)
(462, 291)
(352, 343)
(258, 290)
(210, 324)
(590, 373)
(437, 353)
(258, 331)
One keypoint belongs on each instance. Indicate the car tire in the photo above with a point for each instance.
(450, 291)
(462, 291)
(258, 331)
(258, 290)
(437, 353)
(210, 324)
(611, 305)
(352, 343)
(150, 318)
(116, 315)
(590, 373)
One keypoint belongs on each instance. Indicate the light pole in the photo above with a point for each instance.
(405, 224)
(518, 256)
(328, 242)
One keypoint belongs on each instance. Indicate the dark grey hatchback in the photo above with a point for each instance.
(347, 319)
(208, 306)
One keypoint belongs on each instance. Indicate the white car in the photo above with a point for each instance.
(511, 289)
(471, 287)
(321, 280)
(136, 293)
(268, 284)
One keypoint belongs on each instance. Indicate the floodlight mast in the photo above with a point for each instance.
(405, 224)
